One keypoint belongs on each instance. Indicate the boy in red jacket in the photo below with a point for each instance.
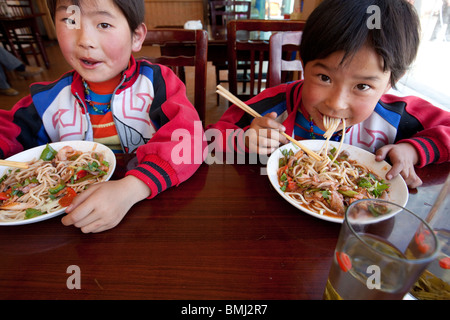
(353, 52)
(109, 97)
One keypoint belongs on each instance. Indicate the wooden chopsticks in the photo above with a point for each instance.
(15, 164)
(233, 99)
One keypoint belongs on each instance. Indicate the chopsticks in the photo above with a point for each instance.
(15, 164)
(441, 197)
(233, 99)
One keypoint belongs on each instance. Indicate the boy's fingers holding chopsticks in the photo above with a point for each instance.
(259, 144)
(230, 97)
(270, 128)
(257, 141)
(265, 134)
(269, 121)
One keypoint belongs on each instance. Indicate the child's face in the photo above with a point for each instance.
(349, 91)
(97, 42)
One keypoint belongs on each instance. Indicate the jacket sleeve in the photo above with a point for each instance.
(175, 151)
(19, 128)
(229, 132)
(433, 141)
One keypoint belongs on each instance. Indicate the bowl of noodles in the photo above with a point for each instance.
(324, 189)
(56, 173)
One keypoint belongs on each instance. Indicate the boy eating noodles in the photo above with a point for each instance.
(349, 65)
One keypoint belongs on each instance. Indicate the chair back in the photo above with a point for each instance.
(20, 32)
(174, 41)
(283, 52)
(254, 49)
(222, 11)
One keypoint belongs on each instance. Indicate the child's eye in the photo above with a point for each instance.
(69, 21)
(324, 78)
(104, 25)
(363, 87)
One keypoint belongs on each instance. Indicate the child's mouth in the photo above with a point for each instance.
(89, 63)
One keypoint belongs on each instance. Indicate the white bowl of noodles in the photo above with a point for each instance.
(397, 192)
(35, 153)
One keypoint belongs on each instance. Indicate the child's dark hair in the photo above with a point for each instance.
(133, 10)
(347, 25)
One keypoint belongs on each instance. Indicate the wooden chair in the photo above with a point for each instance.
(283, 62)
(21, 33)
(222, 11)
(197, 40)
(255, 50)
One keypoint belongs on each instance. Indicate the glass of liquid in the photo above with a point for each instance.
(381, 251)
(434, 283)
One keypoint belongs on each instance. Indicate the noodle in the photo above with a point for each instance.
(49, 185)
(329, 186)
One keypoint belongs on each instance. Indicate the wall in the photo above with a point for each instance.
(173, 12)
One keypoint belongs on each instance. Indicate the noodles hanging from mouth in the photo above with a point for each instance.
(49, 185)
(329, 186)
(331, 125)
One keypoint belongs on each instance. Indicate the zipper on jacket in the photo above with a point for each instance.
(89, 129)
(112, 109)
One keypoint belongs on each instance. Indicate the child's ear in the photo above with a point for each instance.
(389, 86)
(138, 37)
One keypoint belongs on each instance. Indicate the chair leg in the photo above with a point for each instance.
(42, 51)
(35, 54)
(217, 82)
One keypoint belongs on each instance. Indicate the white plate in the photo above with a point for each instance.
(398, 188)
(35, 153)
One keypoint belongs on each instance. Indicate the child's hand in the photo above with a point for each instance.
(403, 157)
(264, 134)
(103, 205)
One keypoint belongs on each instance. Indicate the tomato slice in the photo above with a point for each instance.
(344, 261)
(444, 263)
(421, 241)
(81, 174)
(5, 195)
(68, 197)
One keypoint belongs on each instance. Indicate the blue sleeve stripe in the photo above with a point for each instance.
(146, 70)
(45, 98)
(393, 118)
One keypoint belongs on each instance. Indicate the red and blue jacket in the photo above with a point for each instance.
(394, 119)
(149, 106)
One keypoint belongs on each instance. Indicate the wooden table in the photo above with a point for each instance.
(223, 234)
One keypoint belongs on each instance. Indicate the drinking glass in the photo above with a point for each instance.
(382, 250)
(434, 283)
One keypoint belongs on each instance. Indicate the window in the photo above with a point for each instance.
(429, 75)
(272, 9)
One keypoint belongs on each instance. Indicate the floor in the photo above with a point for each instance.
(60, 66)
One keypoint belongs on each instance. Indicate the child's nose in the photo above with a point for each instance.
(85, 37)
(337, 100)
